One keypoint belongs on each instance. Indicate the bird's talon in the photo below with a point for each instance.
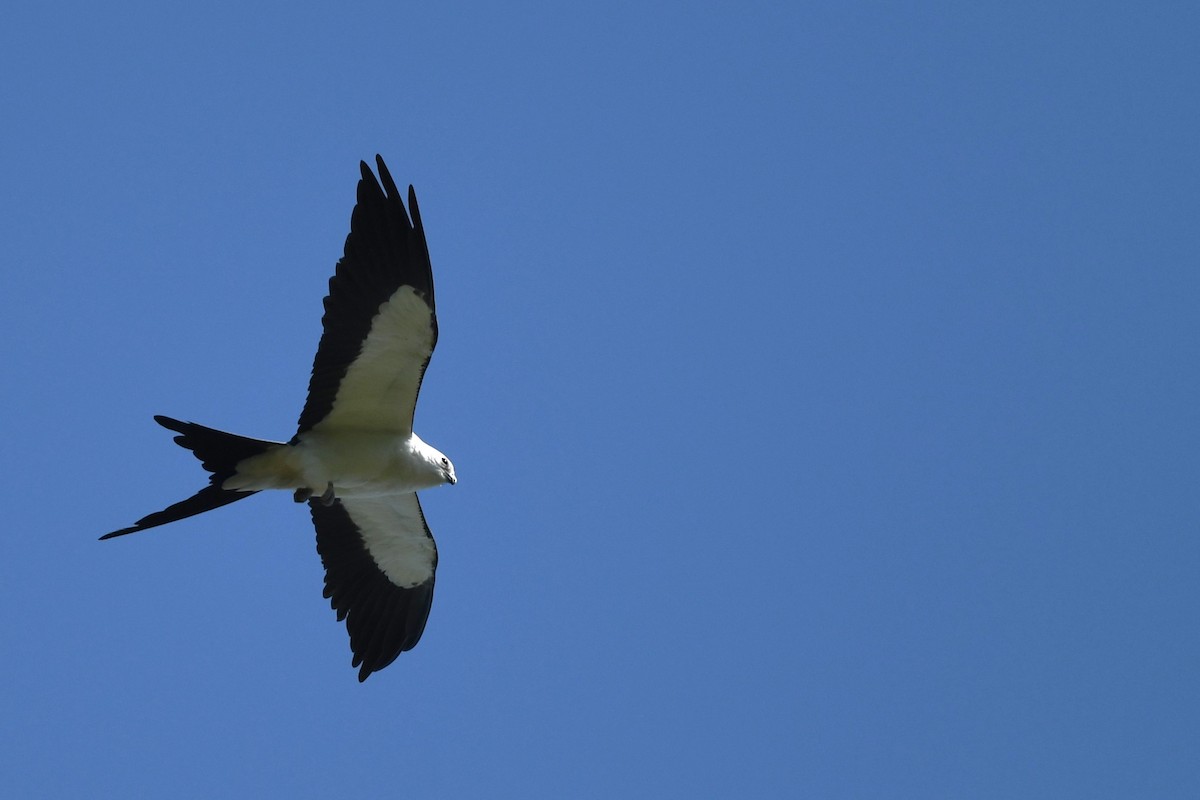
(327, 497)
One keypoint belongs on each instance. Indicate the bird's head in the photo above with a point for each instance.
(440, 470)
(447, 469)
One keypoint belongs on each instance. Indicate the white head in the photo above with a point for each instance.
(440, 466)
(446, 467)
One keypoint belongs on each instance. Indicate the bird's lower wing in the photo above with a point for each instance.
(380, 561)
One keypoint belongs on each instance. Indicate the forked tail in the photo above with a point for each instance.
(220, 453)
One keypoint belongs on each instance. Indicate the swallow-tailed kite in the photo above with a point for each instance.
(355, 457)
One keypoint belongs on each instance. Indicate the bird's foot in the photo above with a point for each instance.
(302, 494)
(327, 497)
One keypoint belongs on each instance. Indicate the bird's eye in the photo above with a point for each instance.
(445, 461)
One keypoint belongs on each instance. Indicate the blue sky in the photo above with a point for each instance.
(821, 380)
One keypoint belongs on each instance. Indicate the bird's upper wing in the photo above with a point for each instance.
(379, 324)
(380, 561)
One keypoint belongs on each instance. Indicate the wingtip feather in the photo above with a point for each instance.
(385, 178)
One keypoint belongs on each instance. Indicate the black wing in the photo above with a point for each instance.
(379, 324)
(380, 563)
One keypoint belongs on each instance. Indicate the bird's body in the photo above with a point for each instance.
(357, 463)
(355, 458)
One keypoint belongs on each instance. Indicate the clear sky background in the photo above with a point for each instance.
(821, 380)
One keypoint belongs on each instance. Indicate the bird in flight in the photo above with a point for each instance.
(355, 458)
